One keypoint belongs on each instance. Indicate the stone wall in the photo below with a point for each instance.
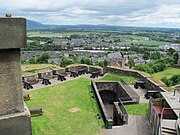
(149, 83)
(32, 79)
(10, 85)
(115, 87)
(95, 69)
(61, 71)
(47, 74)
(76, 67)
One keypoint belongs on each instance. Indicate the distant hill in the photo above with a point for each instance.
(33, 25)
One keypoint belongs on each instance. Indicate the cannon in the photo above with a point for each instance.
(139, 84)
(73, 74)
(152, 93)
(46, 81)
(27, 85)
(95, 74)
(60, 77)
(82, 71)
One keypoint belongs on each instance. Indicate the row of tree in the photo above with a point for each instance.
(157, 66)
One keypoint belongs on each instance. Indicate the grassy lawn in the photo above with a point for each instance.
(57, 118)
(166, 73)
(115, 77)
(145, 43)
(137, 109)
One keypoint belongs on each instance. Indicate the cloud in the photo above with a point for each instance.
(161, 13)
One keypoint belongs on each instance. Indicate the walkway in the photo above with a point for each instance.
(137, 125)
(55, 82)
(141, 93)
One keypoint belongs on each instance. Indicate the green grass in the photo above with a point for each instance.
(51, 34)
(166, 73)
(145, 43)
(115, 77)
(56, 102)
(137, 109)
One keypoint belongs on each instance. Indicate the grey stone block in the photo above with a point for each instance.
(16, 124)
(11, 100)
(12, 33)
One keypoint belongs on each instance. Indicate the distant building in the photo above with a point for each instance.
(116, 59)
(168, 46)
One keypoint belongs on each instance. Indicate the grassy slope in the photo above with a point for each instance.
(29, 67)
(115, 77)
(137, 109)
(166, 73)
(56, 101)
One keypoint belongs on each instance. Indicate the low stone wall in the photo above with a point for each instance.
(115, 87)
(100, 102)
(95, 69)
(120, 115)
(47, 74)
(60, 71)
(32, 79)
(76, 67)
(147, 78)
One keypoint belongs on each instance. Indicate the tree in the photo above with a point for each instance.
(146, 55)
(171, 51)
(156, 55)
(32, 60)
(176, 57)
(86, 60)
(103, 63)
(66, 61)
(43, 58)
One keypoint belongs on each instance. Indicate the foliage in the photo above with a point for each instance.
(146, 55)
(175, 57)
(156, 66)
(174, 80)
(43, 59)
(103, 63)
(67, 61)
(156, 55)
(169, 72)
(33, 60)
(86, 60)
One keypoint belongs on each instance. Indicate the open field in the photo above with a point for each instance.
(166, 73)
(145, 43)
(51, 34)
(115, 77)
(137, 109)
(68, 110)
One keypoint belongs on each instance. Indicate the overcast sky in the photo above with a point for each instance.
(159, 13)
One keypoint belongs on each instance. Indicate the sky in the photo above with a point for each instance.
(144, 13)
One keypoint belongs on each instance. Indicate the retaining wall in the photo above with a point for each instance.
(147, 78)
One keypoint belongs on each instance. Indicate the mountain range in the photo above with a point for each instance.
(33, 25)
